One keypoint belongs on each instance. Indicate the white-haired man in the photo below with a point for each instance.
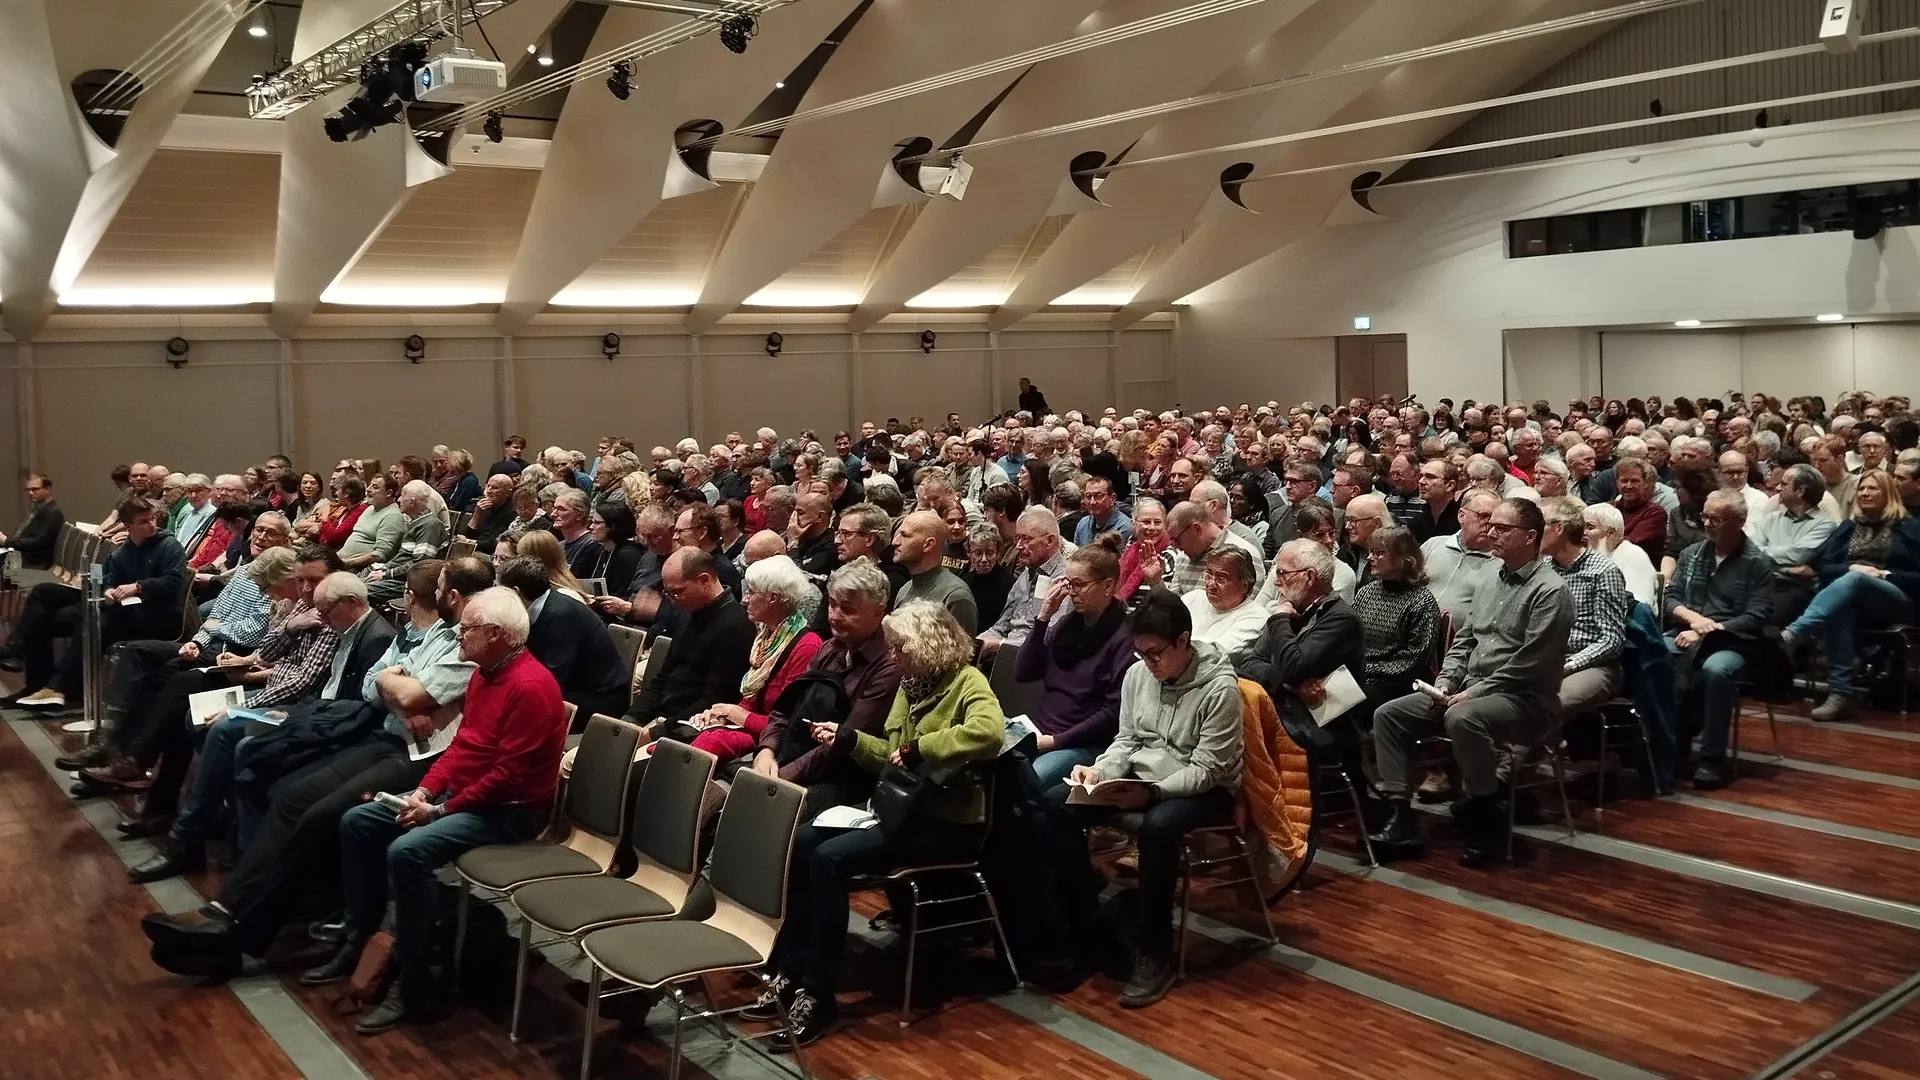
(494, 785)
(1042, 553)
(425, 534)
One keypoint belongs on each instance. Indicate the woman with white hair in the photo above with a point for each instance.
(1606, 533)
(780, 600)
(944, 717)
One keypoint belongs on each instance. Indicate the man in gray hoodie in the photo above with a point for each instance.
(1180, 734)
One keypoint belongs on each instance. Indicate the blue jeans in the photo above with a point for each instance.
(376, 856)
(212, 781)
(1056, 765)
(1718, 696)
(1852, 600)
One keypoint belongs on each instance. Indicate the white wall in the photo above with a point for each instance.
(1435, 266)
(105, 395)
(1226, 365)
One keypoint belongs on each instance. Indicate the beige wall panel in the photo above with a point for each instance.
(902, 381)
(102, 403)
(1072, 368)
(360, 398)
(569, 394)
(743, 388)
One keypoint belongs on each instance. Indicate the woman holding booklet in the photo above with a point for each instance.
(1176, 760)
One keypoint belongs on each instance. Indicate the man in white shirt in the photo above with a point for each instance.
(1791, 539)
(1733, 477)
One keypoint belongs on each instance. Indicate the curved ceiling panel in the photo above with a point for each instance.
(1154, 202)
(609, 158)
(822, 175)
(1014, 186)
(1287, 209)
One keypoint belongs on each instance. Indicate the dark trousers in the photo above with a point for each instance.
(825, 862)
(158, 730)
(1163, 828)
(51, 611)
(298, 840)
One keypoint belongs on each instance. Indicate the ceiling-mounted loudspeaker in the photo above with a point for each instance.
(1080, 190)
(610, 345)
(1356, 207)
(416, 348)
(1228, 201)
(927, 338)
(1841, 22)
(774, 342)
(954, 184)
(1865, 217)
(177, 352)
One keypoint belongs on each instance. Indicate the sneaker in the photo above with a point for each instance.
(43, 699)
(812, 1017)
(1712, 775)
(87, 758)
(1837, 708)
(779, 991)
(1434, 789)
(1152, 977)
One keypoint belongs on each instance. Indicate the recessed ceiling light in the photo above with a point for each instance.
(1687, 324)
(1830, 318)
(779, 86)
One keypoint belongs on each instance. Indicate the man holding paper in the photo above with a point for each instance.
(1501, 686)
(1176, 760)
(1313, 645)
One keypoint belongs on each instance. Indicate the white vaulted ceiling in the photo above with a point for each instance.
(586, 204)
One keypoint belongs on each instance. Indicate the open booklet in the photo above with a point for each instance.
(1018, 728)
(442, 737)
(845, 817)
(1122, 792)
(204, 706)
(1344, 694)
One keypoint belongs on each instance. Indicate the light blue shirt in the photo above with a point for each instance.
(434, 662)
(1083, 533)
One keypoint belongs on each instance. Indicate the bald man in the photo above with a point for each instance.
(764, 544)
(710, 649)
(1734, 472)
(917, 546)
(1365, 515)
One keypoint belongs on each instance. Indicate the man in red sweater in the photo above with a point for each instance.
(494, 785)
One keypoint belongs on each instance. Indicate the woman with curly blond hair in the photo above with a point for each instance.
(944, 716)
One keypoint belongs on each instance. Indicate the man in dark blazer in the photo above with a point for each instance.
(571, 641)
(1313, 634)
(37, 537)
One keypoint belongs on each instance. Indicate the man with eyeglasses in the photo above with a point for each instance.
(1501, 681)
(1103, 512)
(710, 652)
(1300, 483)
(1716, 611)
(1734, 471)
(1455, 562)
(1042, 555)
(37, 537)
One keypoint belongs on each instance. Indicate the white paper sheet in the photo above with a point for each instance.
(1344, 693)
(422, 749)
(202, 707)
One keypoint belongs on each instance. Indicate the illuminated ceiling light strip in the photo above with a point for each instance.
(599, 66)
(1484, 104)
(1017, 61)
(1602, 129)
(1450, 48)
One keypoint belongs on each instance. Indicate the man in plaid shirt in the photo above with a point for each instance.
(1600, 605)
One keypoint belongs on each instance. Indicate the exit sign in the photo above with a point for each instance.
(1363, 322)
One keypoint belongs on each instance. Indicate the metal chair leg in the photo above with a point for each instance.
(460, 929)
(1560, 781)
(793, 1038)
(913, 940)
(679, 1017)
(1359, 817)
(1600, 771)
(1773, 732)
(999, 928)
(520, 978)
(1253, 882)
(593, 1021)
(1186, 906)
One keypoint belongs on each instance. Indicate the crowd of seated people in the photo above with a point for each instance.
(1490, 574)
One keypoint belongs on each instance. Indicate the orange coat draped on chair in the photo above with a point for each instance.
(1276, 788)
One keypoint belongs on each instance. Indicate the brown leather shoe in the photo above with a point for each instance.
(124, 774)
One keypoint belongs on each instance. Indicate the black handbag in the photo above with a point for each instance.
(897, 794)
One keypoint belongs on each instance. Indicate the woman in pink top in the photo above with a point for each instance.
(1146, 559)
(780, 601)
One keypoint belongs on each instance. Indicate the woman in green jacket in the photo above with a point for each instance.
(944, 717)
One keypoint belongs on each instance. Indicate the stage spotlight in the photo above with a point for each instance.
(620, 83)
(774, 341)
(545, 56)
(416, 348)
(491, 128)
(737, 31)
(610, 345)
(386, 86)
(177, 349)
(926, 341)
(257, 26)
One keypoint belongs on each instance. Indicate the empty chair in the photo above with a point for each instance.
(749, 878)
(1016, 698)
(665, 833)
(596, 808)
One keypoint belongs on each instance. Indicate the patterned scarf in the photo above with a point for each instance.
(769, 645)
(919, 688)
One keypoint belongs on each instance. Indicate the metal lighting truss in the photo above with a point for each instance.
(339, 64)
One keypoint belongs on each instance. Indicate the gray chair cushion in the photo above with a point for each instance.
(654, 954)
(502, 866)
(569, 904)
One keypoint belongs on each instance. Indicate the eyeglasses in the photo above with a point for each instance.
(1503, 527)
(1080, 585)
(1153, 656)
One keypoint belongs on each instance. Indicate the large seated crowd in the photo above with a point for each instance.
(1392, 576)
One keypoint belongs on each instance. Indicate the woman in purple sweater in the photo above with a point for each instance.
(1080, 658)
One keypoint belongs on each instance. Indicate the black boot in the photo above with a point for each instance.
(1401, 838)
(338, 967)
(1483, 825)
(176, 859)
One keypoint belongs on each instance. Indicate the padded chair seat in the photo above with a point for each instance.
(656, 953)
(571, 904)
(502, 866)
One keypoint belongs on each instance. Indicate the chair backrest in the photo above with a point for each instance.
(751, 857)
(666, 819)
(597, 788)
(627, 641)
(67, 550)
(1016, 698)
(459, 547)
(656, 658)
(189, 611)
